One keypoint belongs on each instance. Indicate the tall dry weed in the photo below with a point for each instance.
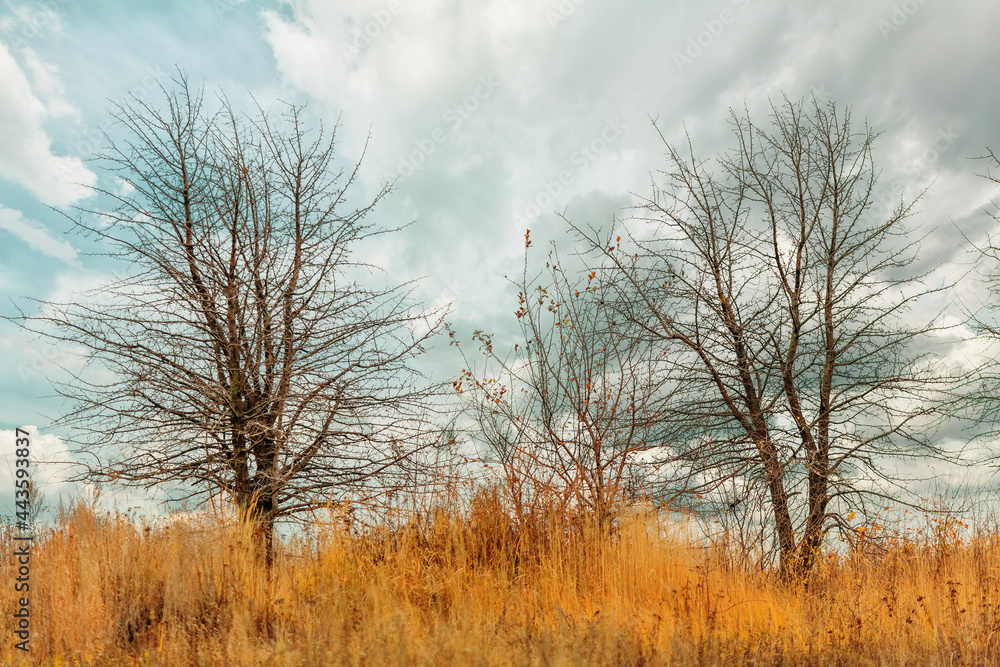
(483, 587)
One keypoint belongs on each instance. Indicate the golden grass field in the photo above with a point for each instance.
(469, 590)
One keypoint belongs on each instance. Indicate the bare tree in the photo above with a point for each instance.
(572, 412)
(983, 399)
(240, 352)
(784, 293)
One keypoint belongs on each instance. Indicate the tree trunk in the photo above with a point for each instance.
(779, 505)
(257, 505)
(812, 536)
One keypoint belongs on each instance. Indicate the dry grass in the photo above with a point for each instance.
(471, 590)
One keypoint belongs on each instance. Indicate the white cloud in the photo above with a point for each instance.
(376, 56)
(27, 20)
(46, 83)
(27, 157)
(37, 237)
(50, 463)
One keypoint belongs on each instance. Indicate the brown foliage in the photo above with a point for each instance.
(479, 588)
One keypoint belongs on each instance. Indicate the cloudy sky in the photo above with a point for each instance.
(493, 114)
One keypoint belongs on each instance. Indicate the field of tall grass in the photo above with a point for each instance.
(470, 588)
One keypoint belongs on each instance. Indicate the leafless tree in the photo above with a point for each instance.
(240, 351)
(783, 292)
(572, 412)
(982, 400)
